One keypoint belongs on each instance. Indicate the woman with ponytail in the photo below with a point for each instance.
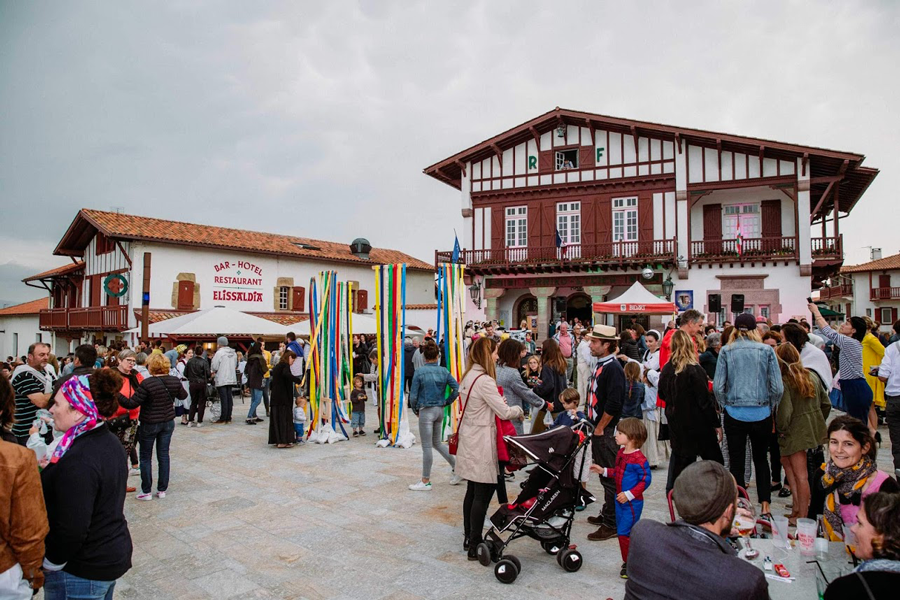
(799, 423)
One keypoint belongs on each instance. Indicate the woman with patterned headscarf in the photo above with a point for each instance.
(89, 546)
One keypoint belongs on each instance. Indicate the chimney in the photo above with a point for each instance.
(360, 248)
(876, 253)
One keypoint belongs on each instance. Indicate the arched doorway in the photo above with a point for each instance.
(526, 306)
(579, 305)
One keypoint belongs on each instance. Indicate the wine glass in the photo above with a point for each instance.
(745, 523)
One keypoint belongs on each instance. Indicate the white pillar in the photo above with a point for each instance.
(803, 218)
(682, 208)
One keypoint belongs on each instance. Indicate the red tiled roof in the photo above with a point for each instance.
(155, 316)
(134, 227)
(58, 271)
(882, 264)
(26, 308)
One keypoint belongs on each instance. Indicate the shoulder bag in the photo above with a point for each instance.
(453, 438)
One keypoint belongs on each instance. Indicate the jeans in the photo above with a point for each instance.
(255, 398)
(267, 382)
(161, 435)
(198, 401)
(430, 420)
(226, 401)
(760, 433)
(357, 420)
(892, 416)
(475, 507)
(59, 585)
(604, 450)
(298, 431)
(775, 458)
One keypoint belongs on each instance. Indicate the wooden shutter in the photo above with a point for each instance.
(548, 229)
(588, 226)
(185, 295)
(771, 225)
(645, 223)
(884, 281)
(893, 315)
(712, 228)
(362, 300)
(298, 298)
(96, 290)
(586, 157)
(546, 161)
(604, 225)
(498, 232)
(534, 230)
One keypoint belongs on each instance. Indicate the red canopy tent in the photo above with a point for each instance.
(637, 300)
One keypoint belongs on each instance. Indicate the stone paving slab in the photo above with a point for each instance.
(245, 520)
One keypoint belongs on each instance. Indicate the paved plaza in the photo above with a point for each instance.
(245, 520)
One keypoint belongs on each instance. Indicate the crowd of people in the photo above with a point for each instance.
(748, 404)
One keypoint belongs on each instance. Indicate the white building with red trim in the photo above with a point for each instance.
(20, 327)
(871, 289)
(184, 267)
(627, 195)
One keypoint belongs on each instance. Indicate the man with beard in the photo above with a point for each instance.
(690, 558)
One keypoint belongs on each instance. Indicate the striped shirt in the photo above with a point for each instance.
(850, 363)
(24, 384)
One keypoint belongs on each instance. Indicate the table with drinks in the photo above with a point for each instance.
(808, 562)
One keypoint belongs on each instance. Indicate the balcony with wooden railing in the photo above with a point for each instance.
(750, 250)
(827, 249)
(844, 290)
(576, 257)
(884, 293)
(91, 318)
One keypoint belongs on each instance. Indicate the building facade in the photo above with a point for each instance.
(871, 289)
(119, 261)
(571, 208)
(20, 327)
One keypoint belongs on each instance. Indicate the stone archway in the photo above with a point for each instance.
(525, 306)
(579, 305)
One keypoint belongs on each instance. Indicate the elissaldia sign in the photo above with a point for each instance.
(239, 281)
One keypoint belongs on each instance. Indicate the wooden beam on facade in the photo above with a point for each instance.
(590, 125)
(804, 163)
(678, 142)
(498, 153)
(462, 167)
(537, 137)
(634, 137)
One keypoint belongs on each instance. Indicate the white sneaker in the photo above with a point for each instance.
(420, 487)
(455, 479)
(160, 495)
(145, 497)
(134, 471)
(199, 424)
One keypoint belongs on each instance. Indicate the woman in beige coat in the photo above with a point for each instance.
(476, 455)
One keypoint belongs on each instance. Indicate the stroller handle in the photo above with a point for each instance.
(585, 425)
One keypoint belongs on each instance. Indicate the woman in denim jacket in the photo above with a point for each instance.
(516, 392)
(428, 396)
(748, 386)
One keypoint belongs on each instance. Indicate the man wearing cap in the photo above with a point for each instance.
(606, 396)
(224, 370)
(690, 558)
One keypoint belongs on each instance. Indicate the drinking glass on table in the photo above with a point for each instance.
(745, 523)
(850, 542)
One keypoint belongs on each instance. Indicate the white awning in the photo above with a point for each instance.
(214, 322)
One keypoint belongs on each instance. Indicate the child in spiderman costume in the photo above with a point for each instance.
(632, 475)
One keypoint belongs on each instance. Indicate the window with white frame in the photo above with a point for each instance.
(517, 227)
(764, 311)
(284, 293)
(886, 315)
(568, 222)
(740, 217)
(625, 220)
(567, 159)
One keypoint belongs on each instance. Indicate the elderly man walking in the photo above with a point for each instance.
(566, 343)
(224, 370)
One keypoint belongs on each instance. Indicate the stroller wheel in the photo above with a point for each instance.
(515, 561)
(551, 548)
(506, 571)
(569, 559)
(483, 552)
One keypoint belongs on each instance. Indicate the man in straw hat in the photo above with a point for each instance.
(690, 558)
(606, 396)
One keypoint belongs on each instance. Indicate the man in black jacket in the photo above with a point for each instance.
(606, 396)
(85, 357)
(690, 558)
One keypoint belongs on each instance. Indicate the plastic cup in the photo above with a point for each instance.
(849, 540)
(780, 531)
(806, 536)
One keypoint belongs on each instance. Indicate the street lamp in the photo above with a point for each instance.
(475, 294)
(561, 130)
(668, 285)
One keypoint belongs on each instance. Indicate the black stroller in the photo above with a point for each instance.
(545, 509)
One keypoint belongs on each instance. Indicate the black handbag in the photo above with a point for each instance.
(120, 423)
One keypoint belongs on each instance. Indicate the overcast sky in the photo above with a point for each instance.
(317, 118)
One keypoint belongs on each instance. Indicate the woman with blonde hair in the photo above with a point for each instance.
(476, 457)
(690, 410)
(748, 386)
(799, 423)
